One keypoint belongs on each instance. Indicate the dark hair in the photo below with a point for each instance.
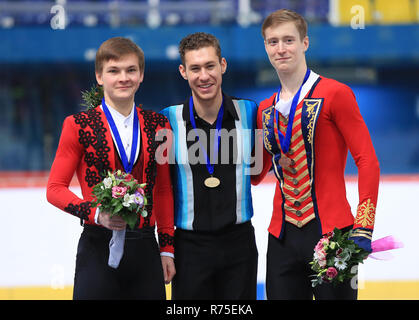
(285, 15)
(114, 49)
(197, 41)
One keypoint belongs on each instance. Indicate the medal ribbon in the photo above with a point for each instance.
(127, 164)
(217, 138)
(285, 142)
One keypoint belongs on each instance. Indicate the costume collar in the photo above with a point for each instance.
(229, 109)
(119, 117)
(284, 106)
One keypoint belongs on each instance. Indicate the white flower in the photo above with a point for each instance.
(128, 199)
(107, 182)
(320, 256)
(340, 264)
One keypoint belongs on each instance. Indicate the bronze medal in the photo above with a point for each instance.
(284, 162)
(212, 182)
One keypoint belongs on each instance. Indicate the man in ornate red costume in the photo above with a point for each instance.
(103, 139)
(308, 127)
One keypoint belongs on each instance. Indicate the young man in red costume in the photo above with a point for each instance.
(308, 127)
(102, 139)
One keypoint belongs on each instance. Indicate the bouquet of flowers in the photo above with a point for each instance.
(120, 194)
(335, 257)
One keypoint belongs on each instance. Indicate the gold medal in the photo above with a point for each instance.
(212, 182)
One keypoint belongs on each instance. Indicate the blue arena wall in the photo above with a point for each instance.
(43, 72)
(374, 45)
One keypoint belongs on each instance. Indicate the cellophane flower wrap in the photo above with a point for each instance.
(122, 195)
(336, 258)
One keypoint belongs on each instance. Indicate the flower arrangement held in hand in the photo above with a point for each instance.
(121, 195)
(335, 257)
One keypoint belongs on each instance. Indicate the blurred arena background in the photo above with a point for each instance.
(47, 50)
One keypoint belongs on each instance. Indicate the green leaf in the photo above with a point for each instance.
(131, 220)
(93, 97)
(114, 202)
(337, 232)
(118, 208)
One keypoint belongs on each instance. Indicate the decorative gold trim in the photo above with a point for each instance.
(276, 171)
(301, 199)
(299, 156)
(295, 136)
(365, 215)
(297, 112)
(312, 109)
(355, 234)
(300, 188)
(300, 223)
(368, 232)
(296, 123)
(297, 146)
(302, 175)
(302, 164)
(302, 210)
(266, 115)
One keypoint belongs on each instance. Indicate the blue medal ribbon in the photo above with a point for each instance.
(217, 138)
(128, 165)
(286, 141)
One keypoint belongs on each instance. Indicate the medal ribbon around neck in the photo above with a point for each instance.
(285, 142)
(128, 165)
(217, 138)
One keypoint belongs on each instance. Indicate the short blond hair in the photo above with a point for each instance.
(285, 15)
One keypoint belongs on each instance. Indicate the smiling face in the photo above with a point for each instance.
(120, 79)
(285, 49)
(203, 70)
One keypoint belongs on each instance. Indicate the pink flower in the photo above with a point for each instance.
(118, 192)
(322, 263)
(141, 191)
(320, 256)
(331, 272)
(319, 246)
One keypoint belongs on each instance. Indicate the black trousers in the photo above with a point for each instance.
(216, 266)
(139, 275)
(288, 270)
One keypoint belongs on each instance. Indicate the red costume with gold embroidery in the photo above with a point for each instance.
(86, 147)
(327, 124)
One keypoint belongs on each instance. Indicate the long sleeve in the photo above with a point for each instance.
(66, 161)
(350, 123)
(163, 206)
